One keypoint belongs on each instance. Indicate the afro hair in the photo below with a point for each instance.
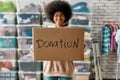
(56, 6)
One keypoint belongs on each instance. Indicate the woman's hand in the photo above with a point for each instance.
(32, 51)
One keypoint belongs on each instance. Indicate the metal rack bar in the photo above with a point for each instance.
(96, 57)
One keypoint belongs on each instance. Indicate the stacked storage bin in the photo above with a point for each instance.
(7, 40)
(28, 16)
(82, 17)
(46, 21)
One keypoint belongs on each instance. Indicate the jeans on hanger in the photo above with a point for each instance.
(58, 78)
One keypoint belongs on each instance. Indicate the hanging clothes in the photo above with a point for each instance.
(116, 27)
(106, 39)
(112, 48)
(117, 39)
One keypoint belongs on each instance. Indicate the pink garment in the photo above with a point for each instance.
(112, 48)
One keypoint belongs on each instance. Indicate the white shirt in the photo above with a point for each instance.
(117, 37)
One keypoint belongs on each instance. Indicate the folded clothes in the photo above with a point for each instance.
(80, 7)
(31, 8)
(28, 18)
(7, 18)
(7, 6)
(8, 42)
(79, 22)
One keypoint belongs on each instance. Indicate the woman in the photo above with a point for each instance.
(59, 12)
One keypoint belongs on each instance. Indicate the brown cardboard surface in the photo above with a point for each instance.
(58, 43)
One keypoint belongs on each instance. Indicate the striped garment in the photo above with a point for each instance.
(106, 34)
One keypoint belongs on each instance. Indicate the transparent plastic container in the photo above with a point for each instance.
(25, 30)
(24, 42)
(7, 18)
(46, 21)
(8, 76)
(81, 6)
(8, 42)
(82, 76)
(29, 5)
(7, 54)
(81, 66)
(7, 65)
(25, 55)
(29, 75)
(45, 2)
(79, 19)
(7, 30)
(29, 66)
(28, 18)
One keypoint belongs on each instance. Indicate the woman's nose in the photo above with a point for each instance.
(59, 17)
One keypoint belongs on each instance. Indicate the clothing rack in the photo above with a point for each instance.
(117, 70)
(117, 26)
(96, 59)
(117, 38)
(115, 23)
(108, 33)
(111, 22)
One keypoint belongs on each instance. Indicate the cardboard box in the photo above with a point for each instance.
(58, 43)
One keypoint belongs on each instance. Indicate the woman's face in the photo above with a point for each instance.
(59, 19)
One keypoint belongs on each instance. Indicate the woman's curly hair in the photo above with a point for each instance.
(56, 6)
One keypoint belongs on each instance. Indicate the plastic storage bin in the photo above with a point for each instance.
(28, 18)
(25, 30)
(81, 67)
(80, 20)
(7, 54)
(24, 55)
(24, 42)
(7, 65)
(46, 21)
(45, 2)
(29, 5)
(29, 75)
(32, 66)
(7, 5)
(83, 76)
(7, 30)
(8, 76)
(81, 6)
(8, 42)
(7, 18)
